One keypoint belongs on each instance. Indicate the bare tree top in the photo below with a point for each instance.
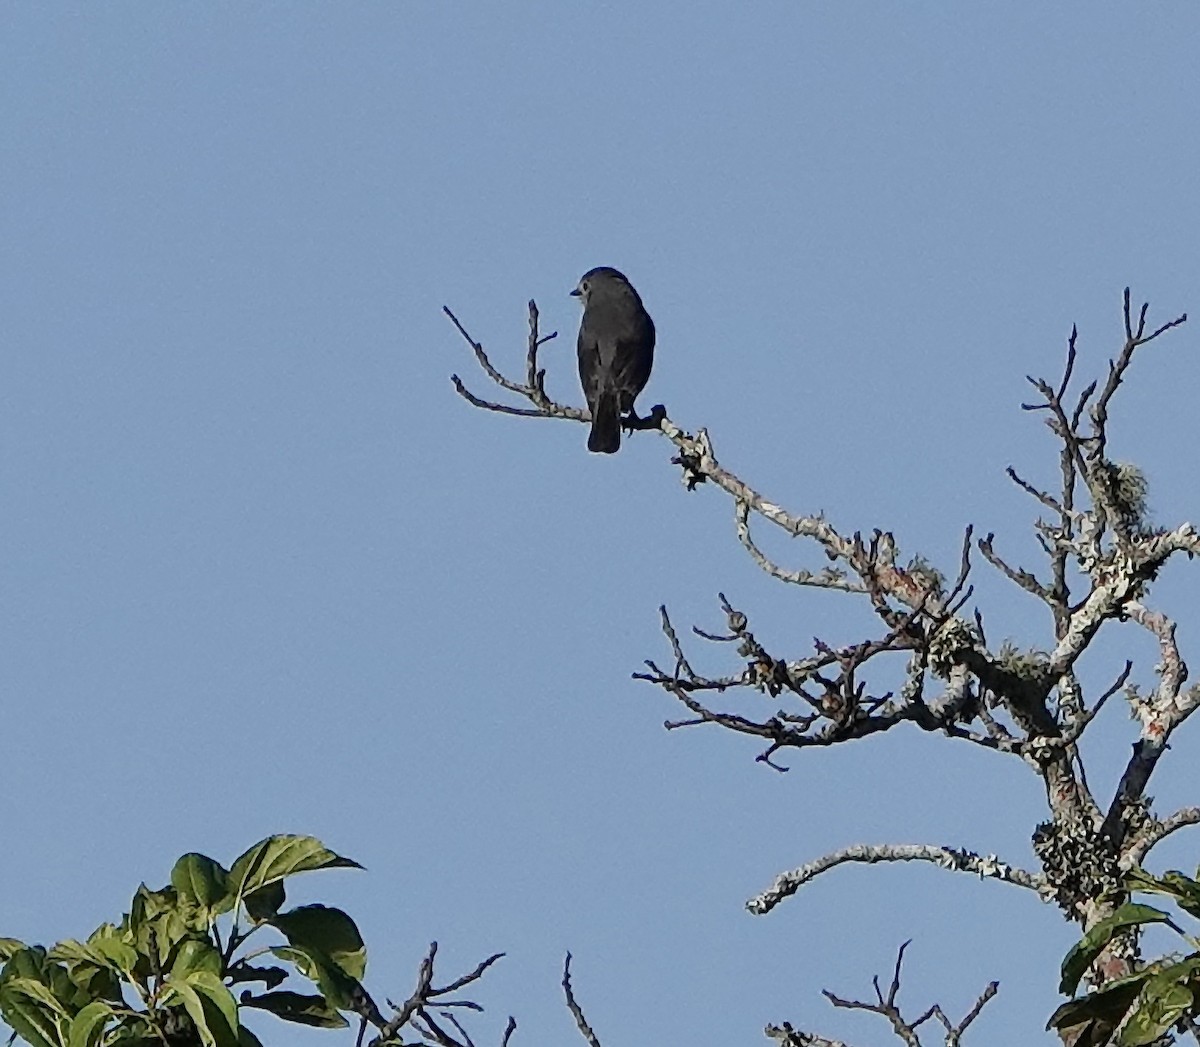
(1101, 558)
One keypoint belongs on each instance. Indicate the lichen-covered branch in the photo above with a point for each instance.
(952, 858)
(1156, 831)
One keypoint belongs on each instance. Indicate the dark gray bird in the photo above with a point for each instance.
(616, 352)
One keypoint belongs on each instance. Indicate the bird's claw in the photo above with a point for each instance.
(632, 423)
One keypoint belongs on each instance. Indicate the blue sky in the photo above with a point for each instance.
(262, 571)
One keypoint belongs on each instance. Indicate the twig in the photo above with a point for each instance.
(466, 979)
(533, 389)
(1018, 576)
(581, 1023)
(826, 579)
(424, 996)
(887, 1007)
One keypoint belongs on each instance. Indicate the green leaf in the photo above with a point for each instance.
(209, 1004)
(107, 930)
(1138, 879)
(96, 983)
(9, 946)
(1094, 1017)
(213, 990)
(275, 857)
(1155, 1017)
(29, 1020)
(38, 990)
(1173, 883)
(202, 881)
(95, 976)
(328, 930)
(29, 962)
(33, 1012)
(36, 966)
(340, 989)
(247, 1039)
(1188, 896)
(109, 946)
(87, 1027)
(265, 902)
(1076, 963)
(180, 991)
(196, 955)
(70, 950)
(158, 923)
(148, 904)
(336, 986)
(304, 1009)
(135, 1031)
(1165, 998)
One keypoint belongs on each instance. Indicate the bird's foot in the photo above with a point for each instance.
(631, 422)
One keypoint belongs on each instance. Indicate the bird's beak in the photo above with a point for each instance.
(576, 293)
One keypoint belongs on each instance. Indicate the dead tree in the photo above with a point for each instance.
(1101, 556)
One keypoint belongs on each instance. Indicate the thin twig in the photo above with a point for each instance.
(581, 1023)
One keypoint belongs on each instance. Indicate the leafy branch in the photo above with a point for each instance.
(167, 973)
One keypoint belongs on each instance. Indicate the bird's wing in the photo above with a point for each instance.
(633, 359)
(590, 368)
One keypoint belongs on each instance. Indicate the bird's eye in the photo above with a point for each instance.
(584, 286)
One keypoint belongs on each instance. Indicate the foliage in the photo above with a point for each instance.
(166, 974)
(1142, 1007)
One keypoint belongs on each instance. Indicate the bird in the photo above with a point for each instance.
(616, 352)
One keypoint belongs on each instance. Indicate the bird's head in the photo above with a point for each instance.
(603, 281)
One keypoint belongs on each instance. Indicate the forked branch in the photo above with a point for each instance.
(888, 1008)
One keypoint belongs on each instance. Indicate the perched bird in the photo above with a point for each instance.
(616, 351)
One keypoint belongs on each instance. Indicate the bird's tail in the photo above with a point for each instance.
(605, 436)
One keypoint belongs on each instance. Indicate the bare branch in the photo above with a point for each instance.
(534, 376)
(1136, 849)
(1018, 576)
(1172, 670)
(955, 1032)
(482, 356)
(887, 1007)
(952, 858)
(1118, 367)
(466, 1037)
(581, 1023)
(415, 1010)
(490, 405)
(1046, 499)
(826, 579)
(424, 1022)
(1169, 706)
(406, 1010)
(1080, 720)
(842, 709)
(533, 389)
(466, 979)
